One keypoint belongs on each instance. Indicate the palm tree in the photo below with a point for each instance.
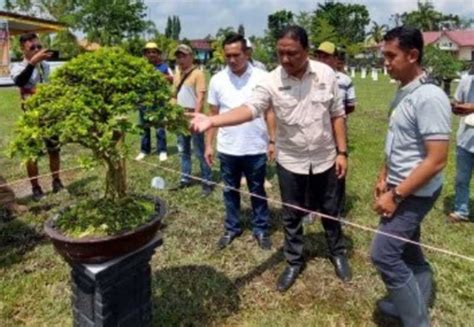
(377, 31)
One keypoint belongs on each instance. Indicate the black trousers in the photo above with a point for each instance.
(321, 192)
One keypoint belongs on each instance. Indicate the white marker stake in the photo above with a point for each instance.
(363, 73)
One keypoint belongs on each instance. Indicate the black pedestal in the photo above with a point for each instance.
(116, 292)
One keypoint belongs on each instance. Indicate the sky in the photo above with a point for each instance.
(202, 17)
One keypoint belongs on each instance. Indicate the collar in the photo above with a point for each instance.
(309, 71)
(410, 87)
(247, 72)
(187, 70)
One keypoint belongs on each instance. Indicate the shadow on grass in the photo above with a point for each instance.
(79, 187)
(192, 295)
(382, 320)
(17, 239)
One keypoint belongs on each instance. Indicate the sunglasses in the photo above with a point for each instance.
(36, 47)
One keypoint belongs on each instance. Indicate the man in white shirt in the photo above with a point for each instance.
(241, 149)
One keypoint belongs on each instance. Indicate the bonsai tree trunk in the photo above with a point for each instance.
(116, 180)
(116, 177)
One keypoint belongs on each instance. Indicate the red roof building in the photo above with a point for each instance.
(459, 42)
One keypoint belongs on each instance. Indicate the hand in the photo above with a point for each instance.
(41, 55)
(380, 188)
(341, 166)
(271, 152)
(199, 122)
(462, 109)
(209, 155)
(384, 205)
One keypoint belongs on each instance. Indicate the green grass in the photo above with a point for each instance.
(194, 284)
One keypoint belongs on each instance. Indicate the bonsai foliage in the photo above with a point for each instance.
(92, 101)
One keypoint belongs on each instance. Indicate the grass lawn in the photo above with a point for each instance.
(196, 285)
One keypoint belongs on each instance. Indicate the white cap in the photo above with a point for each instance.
(248, 43)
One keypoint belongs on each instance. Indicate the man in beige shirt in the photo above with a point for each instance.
(310, 142)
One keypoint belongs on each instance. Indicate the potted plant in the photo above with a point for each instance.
(91, 101)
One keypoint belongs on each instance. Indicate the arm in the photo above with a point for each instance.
(199, 101)
(339, 131)
(201, 123)
(271, 127)
(211, 136)
(435, 161)
(381, 185)
(22, 78)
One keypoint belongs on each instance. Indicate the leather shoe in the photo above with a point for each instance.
(288, 278)
(341, 265)
(264, 241)
(206, 190)
(226, 239)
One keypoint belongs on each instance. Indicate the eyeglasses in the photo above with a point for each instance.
(36, 47)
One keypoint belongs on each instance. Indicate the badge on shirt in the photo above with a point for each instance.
(284, 88)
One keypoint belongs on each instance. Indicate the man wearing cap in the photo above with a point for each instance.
(241, 149)
(249, 51)
(328, 54)
(190, 90)
(153, 54)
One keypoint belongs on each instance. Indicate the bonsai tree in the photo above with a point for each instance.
(91, 101)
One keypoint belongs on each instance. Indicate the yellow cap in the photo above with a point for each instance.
(327, 47)
(152, 45)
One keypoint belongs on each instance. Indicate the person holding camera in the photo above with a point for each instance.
(26, 74)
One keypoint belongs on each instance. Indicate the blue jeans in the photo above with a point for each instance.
(253, 167)
(464, 165)
(145, 145)
(395, 258)
(184, 147)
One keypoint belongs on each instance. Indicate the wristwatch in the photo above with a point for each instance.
(342, 153)
(397, 197)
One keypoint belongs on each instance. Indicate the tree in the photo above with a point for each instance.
(377, 31)
(304, 19)
(241, 30)
(109, 25)
(173, 28)
(89, 102)
(321, 30)
(277, 22)
(348, 20)
(427, 18)
(442, 65)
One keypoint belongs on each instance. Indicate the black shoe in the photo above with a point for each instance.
(37, 193)
(180, 186)
(264, 241)
(288, 278)
(341, 265)
(57, 185)
(206, 190)
(225, 240)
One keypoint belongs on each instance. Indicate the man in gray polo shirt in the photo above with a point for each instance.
(464, 107)
(410, 181)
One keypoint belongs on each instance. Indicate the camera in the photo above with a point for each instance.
(54, 55)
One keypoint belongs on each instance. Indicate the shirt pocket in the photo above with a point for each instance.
(285, 108)
(320, 102)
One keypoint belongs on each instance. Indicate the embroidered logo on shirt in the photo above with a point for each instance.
(284, 88)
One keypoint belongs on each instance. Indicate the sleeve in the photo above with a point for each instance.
(212, 97)
(200, 81)
(336, 105)
(260, 100)
(21, 74)
(433, 116)
(351, 96)
(459, 94)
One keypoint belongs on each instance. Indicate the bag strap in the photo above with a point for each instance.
(182, 81)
